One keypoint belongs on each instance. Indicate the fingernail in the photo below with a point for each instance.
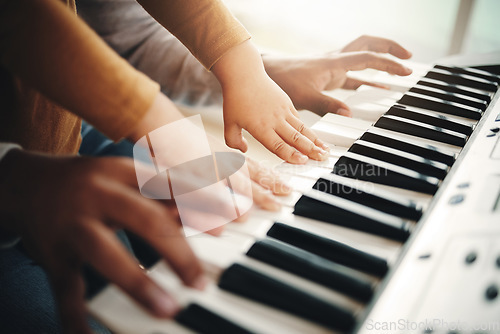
(200, 283)
(300, 157)
(320, 152)
(343, 112)
(163, 305)
(408, 70)
(321, 144)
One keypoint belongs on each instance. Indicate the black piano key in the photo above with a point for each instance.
(375, 198)
(257, 286)
(329, 249)
(470, 71)
(393, 140)
(342, 212)
(452, 97)
(431, 118)
(204, 321)
(369, 169)
(400, 158)
(419, 129)
(493, 69)
(462, 79)
(311, 267)
(468, 91)
(432, 103)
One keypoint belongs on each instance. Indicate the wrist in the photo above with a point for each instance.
(242, 62)
(162, 111)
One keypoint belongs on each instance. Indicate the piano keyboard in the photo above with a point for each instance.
(399, 227)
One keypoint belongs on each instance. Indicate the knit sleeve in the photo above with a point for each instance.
(206, 27)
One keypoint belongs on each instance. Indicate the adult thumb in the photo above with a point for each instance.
(322, 104)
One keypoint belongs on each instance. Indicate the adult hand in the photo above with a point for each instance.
(304, 78)
(66, 210)
(252, 101)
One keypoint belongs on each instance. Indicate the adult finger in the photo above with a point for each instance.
(354, 84)
(358, 61)
(377, 44)
(322, 104)
(68, 289)
(100, 248)
(153, 223)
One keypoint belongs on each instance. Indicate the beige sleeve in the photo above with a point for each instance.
(48, 47)
(206, 27)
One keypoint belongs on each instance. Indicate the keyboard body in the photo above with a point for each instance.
(443, 278)
(434, 285)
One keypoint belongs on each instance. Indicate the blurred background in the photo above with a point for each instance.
(431, 29)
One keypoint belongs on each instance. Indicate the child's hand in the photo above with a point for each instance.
(253, 101)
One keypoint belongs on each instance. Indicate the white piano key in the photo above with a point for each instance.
(420, 140)
(366, 110)
(293, 197)
(114, 307)
(369, 103)
(261, 222)
(375, 94)
(397, 225)
(218, 254)
(338, 134)
(314, 289)
(368, 187)
(344, 135)
(372, 244)
(257, 225)
(254, 316)
(449, 116)
(213, 251)
(302, 183)
(307, 171)
(335, 134)
(347, 122)
(125, 316)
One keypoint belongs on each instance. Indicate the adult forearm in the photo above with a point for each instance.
(44, 44)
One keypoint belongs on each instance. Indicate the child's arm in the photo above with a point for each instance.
(251, 99)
